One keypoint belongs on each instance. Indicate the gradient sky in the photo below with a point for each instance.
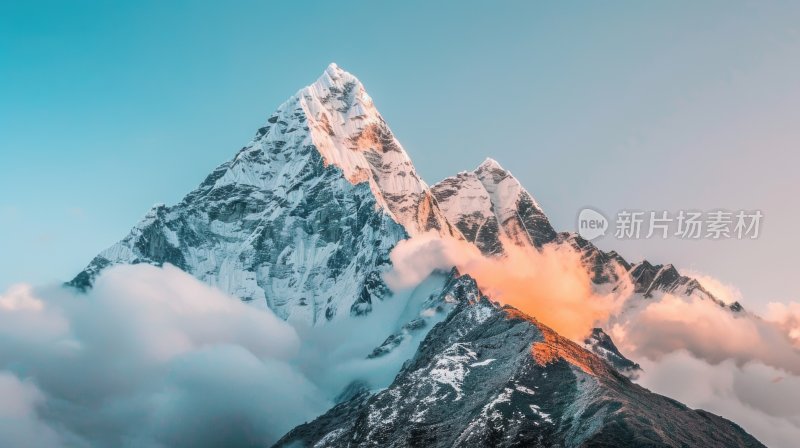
(109, 107)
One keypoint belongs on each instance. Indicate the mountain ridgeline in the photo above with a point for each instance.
(302, 221)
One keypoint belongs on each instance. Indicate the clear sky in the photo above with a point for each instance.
(109, 107)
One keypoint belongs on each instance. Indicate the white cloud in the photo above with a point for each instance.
(787, 316)
(737, 365)
(763, 400)
(149, 357)
(20, 424)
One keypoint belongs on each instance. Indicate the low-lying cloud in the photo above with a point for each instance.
(738, 365)
(706, 330)
(787, 317)
(150, 357)
(761, 399)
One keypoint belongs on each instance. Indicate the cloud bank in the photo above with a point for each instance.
(738, 365)
(150, 357)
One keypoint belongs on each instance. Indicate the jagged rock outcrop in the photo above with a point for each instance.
(600, 343)
(649, 279)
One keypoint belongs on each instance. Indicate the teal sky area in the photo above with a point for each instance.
(109, 107)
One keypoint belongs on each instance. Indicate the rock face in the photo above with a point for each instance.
(604, 267)
(599, 343)
(302, 221)
(492, 376)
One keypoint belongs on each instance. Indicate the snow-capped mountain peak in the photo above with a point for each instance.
(350, 133)
(302, 219)
(499, 182)
(490, 163)
(489, 205)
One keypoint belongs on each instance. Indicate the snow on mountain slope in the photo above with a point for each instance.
(303, 218)
(488, 205)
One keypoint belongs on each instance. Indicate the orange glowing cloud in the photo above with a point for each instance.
(552, 284)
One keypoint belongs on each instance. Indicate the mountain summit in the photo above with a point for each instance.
(302, 221)
(489, 205)
(347, 130)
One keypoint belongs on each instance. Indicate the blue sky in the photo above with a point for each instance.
(110, 107)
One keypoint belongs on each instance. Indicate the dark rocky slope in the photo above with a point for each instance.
(492, 376)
